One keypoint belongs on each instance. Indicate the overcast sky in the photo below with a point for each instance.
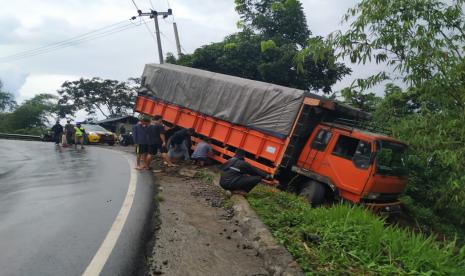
(26, 24)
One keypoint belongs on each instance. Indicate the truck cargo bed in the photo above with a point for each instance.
(267, 150)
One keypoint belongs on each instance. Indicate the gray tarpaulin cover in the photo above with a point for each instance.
(258, 105)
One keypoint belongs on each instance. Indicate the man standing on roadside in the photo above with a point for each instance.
(157, 142)
(79, 134)
(57, 132)
(139, 133)
(69, 133)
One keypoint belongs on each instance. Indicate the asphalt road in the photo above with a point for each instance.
(57, 207)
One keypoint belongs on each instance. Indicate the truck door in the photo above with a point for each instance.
(314, 150)
(348, 164)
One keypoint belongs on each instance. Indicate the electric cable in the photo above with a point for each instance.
(67, 43)
(135, 5)
(66, 40)
(151, 4)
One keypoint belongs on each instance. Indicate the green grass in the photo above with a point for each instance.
(159, 198)
(347, 239)
(205, 175)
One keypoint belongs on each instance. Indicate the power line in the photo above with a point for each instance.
(135, 5)
(145, 23)
(171, 41)
(151, 4)
(167, 38)
(149, 30)
(67, 43)
(67, 40)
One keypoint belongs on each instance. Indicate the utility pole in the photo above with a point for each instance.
(176, 36)
(154, 14)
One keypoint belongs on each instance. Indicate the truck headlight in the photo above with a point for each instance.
(373, 195)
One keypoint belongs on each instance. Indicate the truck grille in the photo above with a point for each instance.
(383, 198)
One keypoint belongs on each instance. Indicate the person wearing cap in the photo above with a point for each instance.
(79, 134)
(140, 136)
(240, 177)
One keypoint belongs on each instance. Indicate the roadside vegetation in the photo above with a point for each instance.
(347, 239)
(29, 117)
(34, 116)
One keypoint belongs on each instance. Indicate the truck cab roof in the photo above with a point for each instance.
(366, 134)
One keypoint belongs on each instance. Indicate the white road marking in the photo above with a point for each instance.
(103, 253)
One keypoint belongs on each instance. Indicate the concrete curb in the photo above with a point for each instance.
(278, 260)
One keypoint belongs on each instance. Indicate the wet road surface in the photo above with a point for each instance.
(58, 205)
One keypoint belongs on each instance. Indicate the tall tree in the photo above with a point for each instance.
(111, 98)
(282, 21)
(272, 33)
(7, 101)
(32, 116)
(420, 40)
(368, 102)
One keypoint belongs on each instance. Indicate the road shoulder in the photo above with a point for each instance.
(204, 233)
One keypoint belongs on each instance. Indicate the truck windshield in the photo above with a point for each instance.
(390, 158)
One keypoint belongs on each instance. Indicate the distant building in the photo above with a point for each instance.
(114, 124)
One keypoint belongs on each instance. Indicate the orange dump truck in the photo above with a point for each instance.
(311, 144)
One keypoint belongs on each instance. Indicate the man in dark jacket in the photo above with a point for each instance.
(180, 141)
(57, 132)
(69, 131)
(139, 133)
(238, 176)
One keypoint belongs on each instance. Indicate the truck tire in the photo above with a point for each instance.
(313, 192)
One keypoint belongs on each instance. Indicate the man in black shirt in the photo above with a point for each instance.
(238, 176)
(156, 141)
(57, 132)
(69, 131)
(180, 141)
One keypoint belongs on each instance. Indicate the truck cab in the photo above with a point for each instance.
(354, 164)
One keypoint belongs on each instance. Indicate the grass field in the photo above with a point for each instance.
(347, 239)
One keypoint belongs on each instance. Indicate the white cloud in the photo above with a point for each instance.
(36, 84)
(324, 16)
(12, 78)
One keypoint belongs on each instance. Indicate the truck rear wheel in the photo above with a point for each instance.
(313, 192)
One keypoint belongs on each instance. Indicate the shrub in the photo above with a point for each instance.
(349, 239)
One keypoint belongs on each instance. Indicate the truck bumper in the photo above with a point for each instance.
(385, 208)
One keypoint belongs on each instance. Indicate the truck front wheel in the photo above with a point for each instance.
(313, 192)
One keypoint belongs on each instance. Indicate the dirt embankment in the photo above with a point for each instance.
(198, 235)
